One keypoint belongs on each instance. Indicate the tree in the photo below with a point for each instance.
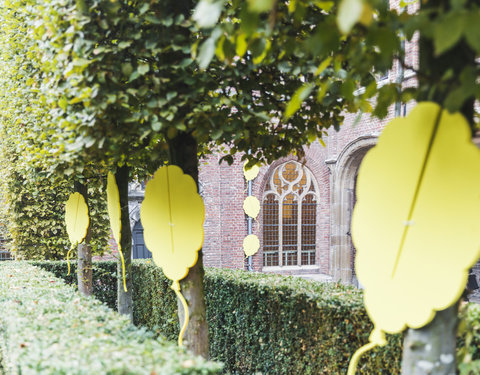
(372, 41)
(123, 89)
(34, 194)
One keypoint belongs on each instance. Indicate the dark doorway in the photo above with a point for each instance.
(140, 251)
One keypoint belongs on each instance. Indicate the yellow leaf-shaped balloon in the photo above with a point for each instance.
(251, 206)
(76, 218)
(114, 214)
(251, 244)
(172, 215)
(250, 173)
(76, 221)
(415, 225)
(113, 205)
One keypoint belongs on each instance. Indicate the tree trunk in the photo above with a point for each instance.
(432, 349)
(84, 258)
(124, 299)
(183, 153)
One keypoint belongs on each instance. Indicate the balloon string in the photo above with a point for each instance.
(377, 338)
(123, 268)
(176, 287)
(352, 367)
(68, 256)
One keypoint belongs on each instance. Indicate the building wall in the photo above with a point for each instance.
(334, 167)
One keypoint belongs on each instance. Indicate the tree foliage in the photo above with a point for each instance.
(303, 36)
(33, 197)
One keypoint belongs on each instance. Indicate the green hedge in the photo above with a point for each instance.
(104, 277)
(280, 325)
(48, 328)
(263, 323)
(269, 323)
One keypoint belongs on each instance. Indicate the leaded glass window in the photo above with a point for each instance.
(289, 216)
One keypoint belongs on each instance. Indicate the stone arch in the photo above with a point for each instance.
(344, 171)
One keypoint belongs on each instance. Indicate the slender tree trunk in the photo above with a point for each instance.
(432, 349)
(84, 267)
(183, 153)
(124, 299)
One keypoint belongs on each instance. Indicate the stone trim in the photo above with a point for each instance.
(342, 180)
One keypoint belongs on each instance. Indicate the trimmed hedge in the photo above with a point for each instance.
(278, 325)
(264, 323)
(48, 328)
(269, 323)
(104, 277)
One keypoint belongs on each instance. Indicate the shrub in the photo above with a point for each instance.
(51, 329)
(269, 323)
(104, 277)
(281, 325)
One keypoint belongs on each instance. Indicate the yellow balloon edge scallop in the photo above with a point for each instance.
(251, 206)
(251, 244)
(115, 217)
(250, 173)
(415, 225)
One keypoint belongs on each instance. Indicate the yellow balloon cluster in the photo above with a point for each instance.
(172, 215)
(251, 206)
(418, 205)
(76, 221)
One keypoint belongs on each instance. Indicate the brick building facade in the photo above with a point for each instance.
(334, 168)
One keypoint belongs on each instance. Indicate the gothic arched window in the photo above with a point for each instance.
(290, 216)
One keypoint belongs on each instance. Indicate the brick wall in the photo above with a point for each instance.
(224, 187)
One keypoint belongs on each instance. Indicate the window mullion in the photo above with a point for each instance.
(280, 232)
(299, 232)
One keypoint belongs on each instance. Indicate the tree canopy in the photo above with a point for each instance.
(337, 47)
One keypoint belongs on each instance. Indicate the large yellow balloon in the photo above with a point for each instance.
(417, 219)
(76, 218)
(114, 214)
(172, 215)
(76, 221)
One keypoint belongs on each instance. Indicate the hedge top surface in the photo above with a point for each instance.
(325, 294)
(51, 329)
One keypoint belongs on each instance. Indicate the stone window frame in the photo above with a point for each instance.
(311, 189)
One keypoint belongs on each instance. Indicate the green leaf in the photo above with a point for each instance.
(143, 68)
(349, 13)
(259, 6)
(207, 49)
(297, 99)
(323, 65)
(324, 5)
(472, 30)
(63, 103)
(207, 12)
(241, 45)
(448, 32)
